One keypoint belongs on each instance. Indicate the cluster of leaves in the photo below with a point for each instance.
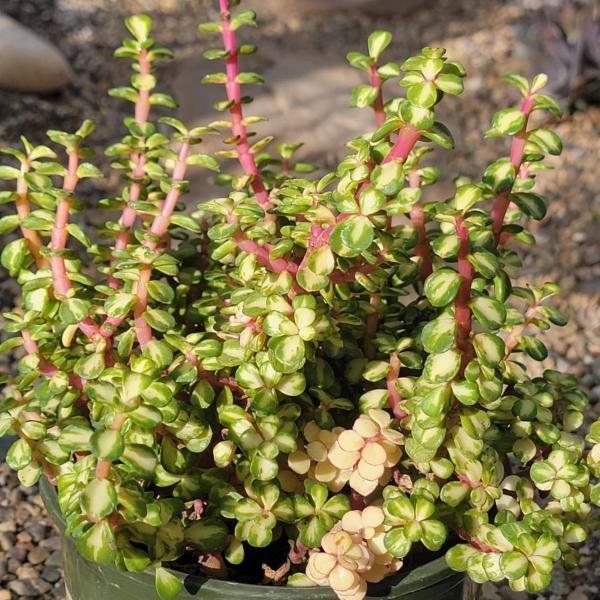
(331, 361)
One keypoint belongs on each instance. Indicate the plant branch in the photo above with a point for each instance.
(142, 111)
(33, 238)
(58, 241)
(378, 104)
(462, 311)
(158, 229)
(417, 218)
(238, 127)
(502, 200)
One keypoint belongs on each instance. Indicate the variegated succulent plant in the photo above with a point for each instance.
(335, 362)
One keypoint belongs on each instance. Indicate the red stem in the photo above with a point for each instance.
(378, 104)
(238, 127)
(502, 200)
(408, 136)
(462, 311)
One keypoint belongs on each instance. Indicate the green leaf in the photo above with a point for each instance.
(119, 304)
(90, 367)
(489, 312)
(422, 94)
(19, 455)
(14, 255)
(287, 353)
(443, 367)
(161, 291)
(99, 499)
(396, 543)
(533, 205)
(74, 310)
(352, 236)
(388, 178)
(204, 160)
(508, 121)
(458, 556)
(364, 95)
(167, 585)
(159, 320)
(519, 82)
(442, 286)
(466, 392)
(378, 41)
(321, 261)
(98, 544)
(207, 535)
(546, 139)
(439, 335)
(500, 175)
(8, 224)
(449, 84)
(9, 172)
(489, 348)
(467, 196)
(139, 26)
(246, 17)
(107, 444)
(88, 170)
(514, 565)
(186, 222)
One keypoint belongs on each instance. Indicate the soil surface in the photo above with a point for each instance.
(306, 97)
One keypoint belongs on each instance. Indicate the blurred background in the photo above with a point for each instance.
(56, 67)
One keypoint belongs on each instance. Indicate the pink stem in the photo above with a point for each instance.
(513, 337)
(395, 398)
(58, 241)
(462, 311)
(142, 111)
(378, 104)
(502, 200)
(33, 238)
(159, 229)
(417, 217)
(46, 367)
(408, 136)
(238, 127)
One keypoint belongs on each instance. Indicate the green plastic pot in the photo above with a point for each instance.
(86, 580)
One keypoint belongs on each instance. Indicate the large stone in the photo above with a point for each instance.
(29, 63)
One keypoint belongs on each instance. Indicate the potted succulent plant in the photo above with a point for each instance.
(317, 381)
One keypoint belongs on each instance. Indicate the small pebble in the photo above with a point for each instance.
(51, 574)
(5, 595)
(38, 555)
(30, 587)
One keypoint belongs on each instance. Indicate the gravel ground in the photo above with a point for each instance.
(491, 37)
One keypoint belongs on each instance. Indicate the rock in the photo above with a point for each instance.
(8, 526)
(29, 63)
(38, 555)
(51, 543)
(37, 532)
(27, 572)
(30, 587)
(5, 595)
(7, 541)
(51, 574)
(577, 595)
(55, 559)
